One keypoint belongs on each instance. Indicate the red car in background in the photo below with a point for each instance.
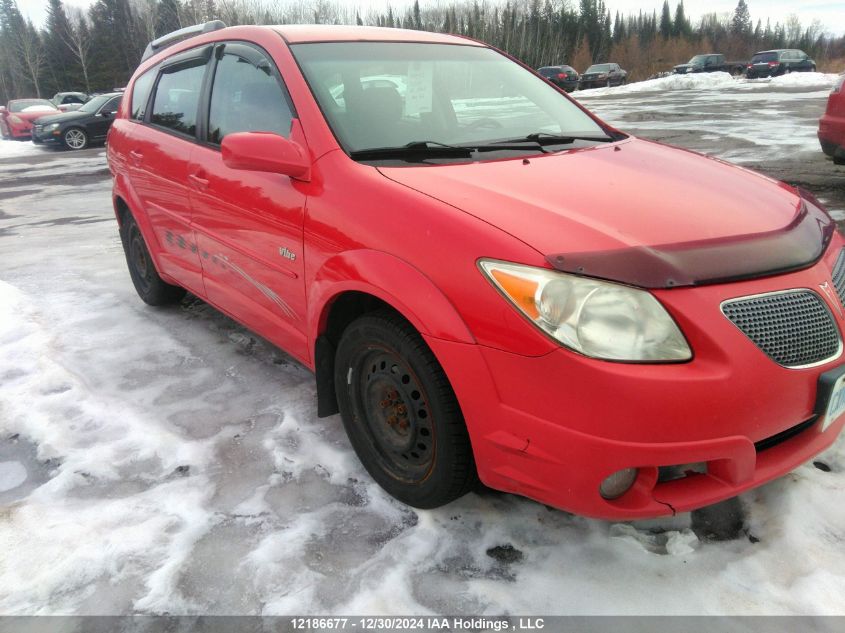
(832, 124)
(17, 117)
(652, 345)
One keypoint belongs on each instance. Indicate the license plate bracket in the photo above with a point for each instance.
(830, 396)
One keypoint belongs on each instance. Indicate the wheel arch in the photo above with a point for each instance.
(125, 203)
(355, 283)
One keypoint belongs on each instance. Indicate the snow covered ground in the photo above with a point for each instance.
(170, 461)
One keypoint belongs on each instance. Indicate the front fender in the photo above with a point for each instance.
(394, 281)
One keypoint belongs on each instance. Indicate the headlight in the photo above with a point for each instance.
(50, 127)
(15, 119)
(596, 318)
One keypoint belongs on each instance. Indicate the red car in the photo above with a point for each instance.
(652, 345)
(832, 124)
(17, 117)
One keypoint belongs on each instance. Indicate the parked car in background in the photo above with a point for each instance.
(564, 76)
(832, 124)
(599, 75)
(68, 101)
(779, 62)
(78, 129)
(17, 117)
(711, 63)
(597, 351)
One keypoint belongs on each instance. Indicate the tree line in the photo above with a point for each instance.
(98, 49)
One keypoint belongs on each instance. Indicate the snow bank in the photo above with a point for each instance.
(719, 81)
(11, 149)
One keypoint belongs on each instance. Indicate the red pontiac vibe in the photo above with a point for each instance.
(376, 202)
(17, 117)
(832, 124)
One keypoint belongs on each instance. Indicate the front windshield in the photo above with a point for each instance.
(390, 94)
(600, 68)
(698, 59)
(22, 105)
(95, 104)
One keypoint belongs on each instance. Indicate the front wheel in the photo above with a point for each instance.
(75, 138)
(400, 412)
(150, 287)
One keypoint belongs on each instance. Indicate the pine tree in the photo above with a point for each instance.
(666, 21)
(741, 22)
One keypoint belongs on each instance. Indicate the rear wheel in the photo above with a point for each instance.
(75, 138)
(150, 287)
(400, 412)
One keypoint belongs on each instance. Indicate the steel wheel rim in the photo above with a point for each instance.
(396, 415)
(75, 139)
(141, 265)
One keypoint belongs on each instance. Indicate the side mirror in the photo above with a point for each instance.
(2, 109)
(265, 151)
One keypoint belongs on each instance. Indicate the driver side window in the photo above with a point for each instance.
(246, 96)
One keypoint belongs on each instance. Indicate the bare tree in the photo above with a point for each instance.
(78, 41)
(32, 54)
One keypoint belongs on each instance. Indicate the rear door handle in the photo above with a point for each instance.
(198, 181)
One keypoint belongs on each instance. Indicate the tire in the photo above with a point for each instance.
(152, 289)
(75, 138)
(400, 412)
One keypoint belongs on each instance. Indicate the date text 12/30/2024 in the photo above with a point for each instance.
(418, 623)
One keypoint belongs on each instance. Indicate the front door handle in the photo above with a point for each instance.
(136, 157)
(198, 181)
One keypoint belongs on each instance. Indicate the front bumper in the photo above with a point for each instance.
(553, 427)
(47, 138)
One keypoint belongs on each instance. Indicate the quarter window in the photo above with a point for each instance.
(246, 96)
(177, 97)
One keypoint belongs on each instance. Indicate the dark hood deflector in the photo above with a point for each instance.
(798, 245)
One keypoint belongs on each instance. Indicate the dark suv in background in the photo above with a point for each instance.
(78, 129)
(779, 62)
(564, 76)
(599, 75)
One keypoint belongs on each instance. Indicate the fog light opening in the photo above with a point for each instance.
(618, 483)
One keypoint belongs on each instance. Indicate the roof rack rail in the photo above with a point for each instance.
(182, 34)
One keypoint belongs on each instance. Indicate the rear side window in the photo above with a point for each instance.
(246, 96)
(177, 97)
(141, 94)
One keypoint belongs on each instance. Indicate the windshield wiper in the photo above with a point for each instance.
(412, 150)
(547, 138)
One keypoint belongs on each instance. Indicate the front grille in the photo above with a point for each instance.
(793, 328)
(839, 276)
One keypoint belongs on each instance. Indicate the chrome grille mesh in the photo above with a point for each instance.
(839, 277)
(793, 328)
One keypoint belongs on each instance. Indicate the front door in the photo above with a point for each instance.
(249, 224)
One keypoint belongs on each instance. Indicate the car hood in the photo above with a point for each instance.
(637, 212)
(61, 117)
(685, 66)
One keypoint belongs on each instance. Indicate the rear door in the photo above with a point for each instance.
(249, 224)
(159, 157)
